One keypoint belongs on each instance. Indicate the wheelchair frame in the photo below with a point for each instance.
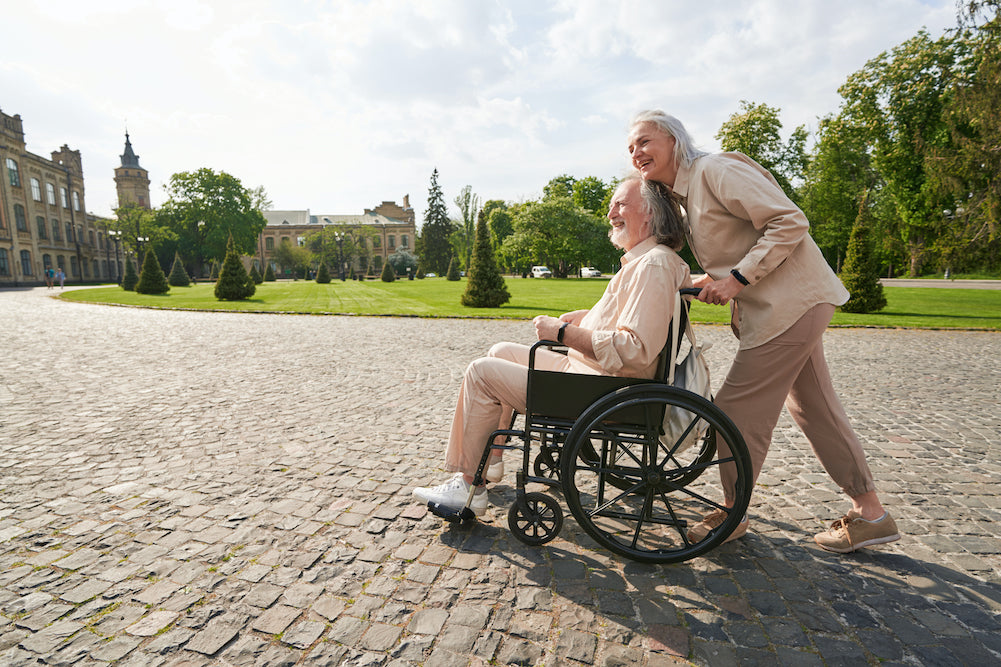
(601, 444)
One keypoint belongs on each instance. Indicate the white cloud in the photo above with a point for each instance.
(338, 106)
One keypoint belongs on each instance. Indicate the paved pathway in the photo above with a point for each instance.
(223, 489)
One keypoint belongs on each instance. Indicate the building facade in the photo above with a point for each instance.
(388, 227)
(43, 219)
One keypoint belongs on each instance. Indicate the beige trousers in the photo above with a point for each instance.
(791, 369)
(492, 387)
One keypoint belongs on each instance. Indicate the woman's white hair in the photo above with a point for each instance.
(685, 152)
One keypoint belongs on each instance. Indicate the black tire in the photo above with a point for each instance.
(537, 520)
(638, 496)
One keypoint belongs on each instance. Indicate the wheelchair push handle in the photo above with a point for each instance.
(690, 291)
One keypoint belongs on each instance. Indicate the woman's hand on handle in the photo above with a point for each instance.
(717, 292)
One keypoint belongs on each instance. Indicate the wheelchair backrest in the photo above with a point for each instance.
(665, 355)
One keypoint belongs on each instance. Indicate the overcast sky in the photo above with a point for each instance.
(335, 106)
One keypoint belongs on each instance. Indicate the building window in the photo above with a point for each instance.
(404, 241)
(392, 242)
(69, 233)
(97, 269)
(65, 197)
(50, 194)
(376, 242)
(40, 221)
(74, 267)
(100, 241)
(36, 190)
(76, 200)
(61, 263)
(19, 220)
(56, 236)
(4, 265)
(15, 177)
(26, 263)
(46, 261)
(269, 243)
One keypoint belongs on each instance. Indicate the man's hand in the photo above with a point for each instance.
(717, 292)
(546, 327)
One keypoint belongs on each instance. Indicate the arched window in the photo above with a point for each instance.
(65, 197)
(76, 201)
(69, 233)
(74, 267)
(26, 263)
(269, 243)
(12, 173)
(50, 194)
(404, 241)
(36, 190)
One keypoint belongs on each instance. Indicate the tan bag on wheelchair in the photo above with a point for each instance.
(692, 373)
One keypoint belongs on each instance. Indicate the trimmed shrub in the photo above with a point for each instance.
(130, 278)
(860, 272)
(255, 275)
(152, 279)
(485, 287)
(234, 283)
(269, 274)
(323, 274)
(453, 270)
(178, 276)
(388, 275)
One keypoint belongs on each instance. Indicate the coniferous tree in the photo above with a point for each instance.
(323, 274)
(234, 283)
(453, 270)
(437, 229)
(269, 274)
(178, 276)
(420, 270)
(130, 278)
(388, 275)
(860, 273)
(255, 275)
(214, 271)
(485, 288)
(152, 280)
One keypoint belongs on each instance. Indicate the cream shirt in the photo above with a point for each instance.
(630, 322)
(737, 217)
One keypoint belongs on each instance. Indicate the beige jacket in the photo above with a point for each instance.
(737, 217)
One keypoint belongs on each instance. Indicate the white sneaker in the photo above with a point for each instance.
(495, 470)
(454, 493)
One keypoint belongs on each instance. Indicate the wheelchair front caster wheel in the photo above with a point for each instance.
(536, 520)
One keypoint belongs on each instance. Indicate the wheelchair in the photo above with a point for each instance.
(634, 486)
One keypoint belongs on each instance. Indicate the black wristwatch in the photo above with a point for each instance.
(563, 328)
(740, 279)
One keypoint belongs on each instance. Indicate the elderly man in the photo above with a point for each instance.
(621, 335)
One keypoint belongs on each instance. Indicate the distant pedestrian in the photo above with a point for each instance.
(61, 276)
(50, 274)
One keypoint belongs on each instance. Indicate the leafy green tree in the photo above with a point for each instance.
(291, 257)
(500, 222)
(485, 287)
(403, 261)
(453, 270)
(234, 284)
(755, 131)
(388, 274)
(861, 274)
(468, 204)
(899, 99)
(178, 276)
(589, 193)
(151, 278)
(437, 229)
(205, 208)
(130, 278)
(323, 274)
(560, 187)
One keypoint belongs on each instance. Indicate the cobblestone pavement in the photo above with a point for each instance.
(183, 488)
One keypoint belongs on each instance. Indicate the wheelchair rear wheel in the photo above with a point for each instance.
(639, 496)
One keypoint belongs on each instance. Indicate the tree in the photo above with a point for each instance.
(388, 275)
(755, 132)
(434, 238)
(255, 275)
(178, 276)
(500, 222)
(453, 270)
(403, 261)
(130, 278)
(468, 204)
(323, 274)
(152, 279)
(898, 98)
(205, 208)
(485, 287)
(559, 187)
(861, 274)
(234, 284)
(589, 193)
(291, 257)
(269, 274)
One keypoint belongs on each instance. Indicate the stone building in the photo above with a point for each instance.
(389, 226)
(43, 219)
(131, 180)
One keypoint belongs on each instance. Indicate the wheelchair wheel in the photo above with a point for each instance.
(639, 496)
(547, 462)
(536, 520)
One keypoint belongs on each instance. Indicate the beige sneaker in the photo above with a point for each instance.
(851, 532)
(711, 521)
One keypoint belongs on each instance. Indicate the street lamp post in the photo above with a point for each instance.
(340, 254)
(115, 236)
(140, 240)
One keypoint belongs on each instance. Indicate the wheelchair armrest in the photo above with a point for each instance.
(549, 344)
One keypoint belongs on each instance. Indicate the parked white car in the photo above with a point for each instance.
(590, 272)
(541, 272)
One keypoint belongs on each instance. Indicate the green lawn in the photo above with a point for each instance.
(437, 297)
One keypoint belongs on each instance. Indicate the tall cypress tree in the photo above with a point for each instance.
(178, 276)
(234, 283)
(437, 251)
(485, 288)
(152, 279)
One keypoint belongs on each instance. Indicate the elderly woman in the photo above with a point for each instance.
(754, 246)
(621, 335)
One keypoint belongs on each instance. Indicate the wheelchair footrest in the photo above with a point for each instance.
(452, 514)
